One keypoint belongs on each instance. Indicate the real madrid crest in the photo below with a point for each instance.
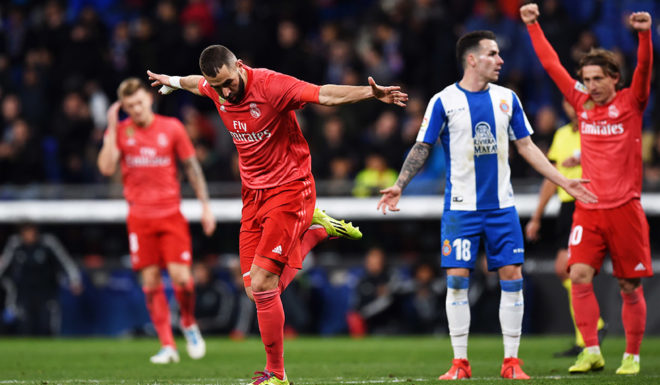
(254, 110)
(613, 112)
(162, 140)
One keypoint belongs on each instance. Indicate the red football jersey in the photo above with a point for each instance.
(149, 167)
(271, 148)
(611, 134)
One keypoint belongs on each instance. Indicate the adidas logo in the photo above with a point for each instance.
(338, 226)
(278, 250)
(640, 267)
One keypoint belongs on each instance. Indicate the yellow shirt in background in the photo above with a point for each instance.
(565, 144)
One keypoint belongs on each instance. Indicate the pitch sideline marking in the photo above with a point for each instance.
(383, 380)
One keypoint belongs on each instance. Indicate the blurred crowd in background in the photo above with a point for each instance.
(44, 292)
(60, 64)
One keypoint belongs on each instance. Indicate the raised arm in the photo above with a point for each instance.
(414, 162)
(198, 182)
(169, 84)
(641, 81)
(109, 154)
(540, 163)
(332, 95)
(529, 14)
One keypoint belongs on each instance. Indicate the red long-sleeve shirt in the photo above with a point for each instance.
(611, 134)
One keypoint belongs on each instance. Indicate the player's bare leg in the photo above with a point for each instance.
(633, 313)
(587, 312)
(511, 315)
(270, 313)
(159, 312)
(184, 291)
(458, 318)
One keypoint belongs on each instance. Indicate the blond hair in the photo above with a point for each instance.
(130, 86)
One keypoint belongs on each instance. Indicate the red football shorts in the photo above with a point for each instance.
(623, 231)
(159, 241)
(273, 222)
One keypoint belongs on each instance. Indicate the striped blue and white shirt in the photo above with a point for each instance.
(475, 129)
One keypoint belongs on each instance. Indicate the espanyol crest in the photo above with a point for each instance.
(254, 110)
(504, 106)
(446, 248)
(162, 140)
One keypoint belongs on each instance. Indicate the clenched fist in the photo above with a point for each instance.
(529, 13)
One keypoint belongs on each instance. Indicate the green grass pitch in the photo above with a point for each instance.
(309, 360)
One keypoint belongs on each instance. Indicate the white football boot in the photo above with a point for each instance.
(194, 342)
(165, 355)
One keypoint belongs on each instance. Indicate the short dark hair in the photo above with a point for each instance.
(603, 58)
(470, 41)
(214, 57)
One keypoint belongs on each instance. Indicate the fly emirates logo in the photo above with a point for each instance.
(247, 136)
(601, 128)
(148, 157)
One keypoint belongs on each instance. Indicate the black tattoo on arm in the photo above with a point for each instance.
(196, 178)
(413, 163)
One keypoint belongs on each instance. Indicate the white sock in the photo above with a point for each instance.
(593, 349)
(458, 317)
(512, 307)
(635, 356)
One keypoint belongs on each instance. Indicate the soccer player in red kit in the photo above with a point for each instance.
(610, 123)
(148, 145)
(258, 108)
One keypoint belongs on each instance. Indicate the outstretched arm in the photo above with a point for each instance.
(172, 83)
(332, 95)
(540, 163)
(198, 182)
(411, 166)
(641, 81)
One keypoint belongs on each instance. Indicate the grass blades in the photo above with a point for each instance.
(309, 361)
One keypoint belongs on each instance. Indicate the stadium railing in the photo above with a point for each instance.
(229, 210)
